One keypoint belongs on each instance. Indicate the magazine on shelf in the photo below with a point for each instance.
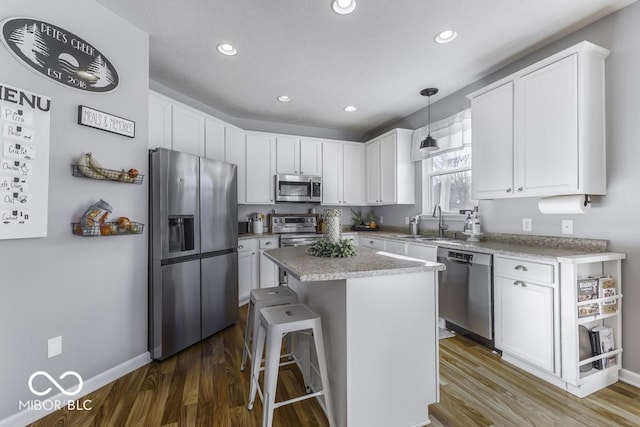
(585, 310)
(602, 341)
(606, 287)
(588, 289)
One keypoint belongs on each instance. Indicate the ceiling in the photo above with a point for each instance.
(378, 58)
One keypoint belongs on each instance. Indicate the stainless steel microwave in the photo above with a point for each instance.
(298, 188)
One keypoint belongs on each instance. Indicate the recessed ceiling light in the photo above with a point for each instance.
(284, 98)
(343, 7)
(446, 36)
(350, 109)
(227, 49)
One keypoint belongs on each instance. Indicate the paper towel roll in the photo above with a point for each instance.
(563, 205)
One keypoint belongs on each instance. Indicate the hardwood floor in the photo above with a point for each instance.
(203, 386)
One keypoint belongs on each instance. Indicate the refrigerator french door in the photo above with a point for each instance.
(193, 289)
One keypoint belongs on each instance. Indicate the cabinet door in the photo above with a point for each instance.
(546, 130)
(245, 274)
(373, 172)
(268, 272)
(187, 134)
(427, 253)
(372, 243)
(354, 175)
(288, 155)
(524, 324)
(332, 164)
(394, 247)
(310, 157)
(388, 162)
(159, 122)
(235, 149)
(492, 148)
(260, 169)
(213, 140)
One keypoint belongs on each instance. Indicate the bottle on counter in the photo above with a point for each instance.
(468, 224)
(321, 224)
(476, 229)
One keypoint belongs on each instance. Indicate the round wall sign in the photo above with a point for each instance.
(59, 55)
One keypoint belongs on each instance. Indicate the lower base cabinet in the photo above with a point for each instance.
(247, 269)
(524, 321)
(269, 272)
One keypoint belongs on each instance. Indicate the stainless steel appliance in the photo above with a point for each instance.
(466, 293)
(295, 230)
(193, 260)
(298, 188)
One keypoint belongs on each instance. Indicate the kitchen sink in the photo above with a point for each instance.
(442, 239)
(423, 238)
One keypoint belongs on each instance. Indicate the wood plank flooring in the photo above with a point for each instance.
(203, 386)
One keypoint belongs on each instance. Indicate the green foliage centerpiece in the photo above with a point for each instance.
(333, 245)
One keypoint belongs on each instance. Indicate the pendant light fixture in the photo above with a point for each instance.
(429, 144)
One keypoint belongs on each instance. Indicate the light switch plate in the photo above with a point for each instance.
(54, 346)
(567, 226)
(380, 220)
(526, 224)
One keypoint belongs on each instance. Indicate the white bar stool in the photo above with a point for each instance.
(275, 322)
(259, 299)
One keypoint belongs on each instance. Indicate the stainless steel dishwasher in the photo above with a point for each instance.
(466, 293)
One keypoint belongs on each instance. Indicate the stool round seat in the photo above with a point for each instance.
(274, 323)
(259, 299)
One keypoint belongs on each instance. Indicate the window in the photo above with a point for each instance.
(446, 173)
(448, 180)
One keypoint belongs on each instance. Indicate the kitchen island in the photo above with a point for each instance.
(380, 320)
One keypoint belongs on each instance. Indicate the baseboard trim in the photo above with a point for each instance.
(629, 377)
(28, 416)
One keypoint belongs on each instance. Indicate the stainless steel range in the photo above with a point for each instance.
(295, 230)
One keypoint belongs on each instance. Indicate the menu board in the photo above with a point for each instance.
(24, 163)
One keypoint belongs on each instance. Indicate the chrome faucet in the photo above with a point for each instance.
(437, 212)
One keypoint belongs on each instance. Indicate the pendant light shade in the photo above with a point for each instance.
(429, 144)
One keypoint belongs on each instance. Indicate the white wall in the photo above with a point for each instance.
(91, 291)
(614, 216)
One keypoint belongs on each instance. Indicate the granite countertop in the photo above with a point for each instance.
(534, 247)
(367, 263)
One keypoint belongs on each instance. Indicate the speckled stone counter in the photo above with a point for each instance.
(534, 247)
(367, 263)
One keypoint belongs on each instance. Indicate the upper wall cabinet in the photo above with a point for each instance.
(187, 131)
(235, 152)
(541, 131)
(159, 122)
(343, 174)
(298, 156)
(390, 174)
(261, 160)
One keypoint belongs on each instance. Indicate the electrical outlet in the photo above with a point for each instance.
(526, 224)
(381, 220)
(54, 346)
(567, 226)
(406, 220)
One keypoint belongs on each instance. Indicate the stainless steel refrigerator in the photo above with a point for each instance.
(193, 260)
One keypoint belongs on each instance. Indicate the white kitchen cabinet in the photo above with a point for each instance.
(526, 309)
(389, 170)
(541, 131)
(235, 152)
(395, 247)
(268, 270)
(372, 242)
(574, 268)
(298, 156)
(427, 253)
(214, 139)
(261, 161)
(159, 122)
(187, 130)
(343, 168)
(247, 268)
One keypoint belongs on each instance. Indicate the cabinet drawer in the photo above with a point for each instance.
(246, 245)
(526, 270)
(268, 243)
